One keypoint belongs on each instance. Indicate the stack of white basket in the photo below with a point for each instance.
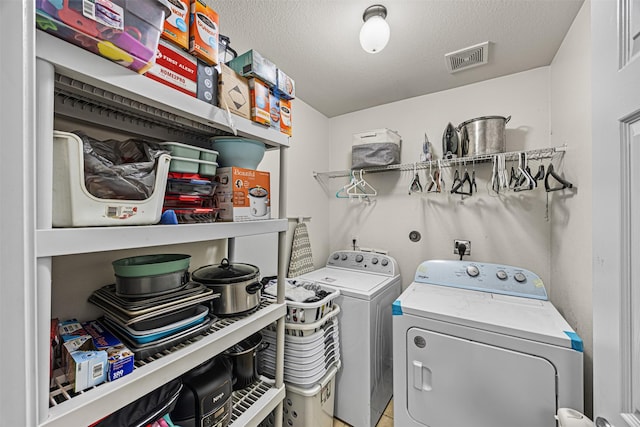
(311, 356)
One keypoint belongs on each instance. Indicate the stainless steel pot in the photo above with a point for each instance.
(244, 358)
(483, 135)
(238, 284)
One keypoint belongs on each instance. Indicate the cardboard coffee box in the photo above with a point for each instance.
(203, 32)
(274, 111)
(176, 25)
(259, 93)
(285, 117)
(243, 194)
(233, 92)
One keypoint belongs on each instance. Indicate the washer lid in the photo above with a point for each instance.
(351, 283)
(527, 318)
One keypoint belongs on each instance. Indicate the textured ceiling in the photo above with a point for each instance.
(316, 43)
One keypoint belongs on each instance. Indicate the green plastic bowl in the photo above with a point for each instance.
(150, 265)
(239, 152)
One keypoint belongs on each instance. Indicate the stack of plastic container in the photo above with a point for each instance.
(191, 185)
(311, 353)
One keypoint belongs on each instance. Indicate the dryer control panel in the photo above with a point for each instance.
(485, 277)
(370, 262)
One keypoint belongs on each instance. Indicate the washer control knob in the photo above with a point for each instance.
(374, 261)
(501, 274)
(359, 258)
(473, 271)
(520, 277)
(336, 256)
(384, 262)
(343, 257)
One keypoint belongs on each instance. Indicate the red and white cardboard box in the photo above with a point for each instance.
(175, 68)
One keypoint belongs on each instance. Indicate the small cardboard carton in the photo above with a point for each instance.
(285, 117)
(243, 194)
(175, 68)
(286, 87)
(259, 93)
(207, 83)
(83, 365)
(274, 111)
(203, 32)
(120, 359)
(176, 25)
(233, 92)
(252, 64)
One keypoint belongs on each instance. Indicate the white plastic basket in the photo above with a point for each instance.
(74, 206)
(305, 312)
(308, 407)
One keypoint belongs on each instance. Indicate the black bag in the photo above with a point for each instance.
(147, 409)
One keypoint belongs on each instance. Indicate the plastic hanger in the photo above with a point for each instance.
(342, 193)
(459, 183)
(525, 182)
(552, 173)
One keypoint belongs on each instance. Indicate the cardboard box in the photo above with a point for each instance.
(274, 110)
(119, 358)
(207, 83)
(252, 64)
(176, 25)
(233, 92)
(259, 97)
(285, 117)
(175, 68)
(203, 32)
(285, 87)
(84, 367)
(243, 194)
(82, 363)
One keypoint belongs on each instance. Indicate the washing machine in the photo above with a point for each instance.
(369, 283)
(479, 344)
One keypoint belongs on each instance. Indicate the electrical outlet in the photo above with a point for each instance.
(466, 243)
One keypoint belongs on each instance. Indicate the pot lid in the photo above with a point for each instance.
(226, 272)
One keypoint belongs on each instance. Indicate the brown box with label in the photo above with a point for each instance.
(243, 194)
(233, 92)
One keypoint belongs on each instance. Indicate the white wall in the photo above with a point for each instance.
(308, 152)
(571, 269)
(509, 229)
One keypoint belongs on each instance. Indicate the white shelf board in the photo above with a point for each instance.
(68, 241)
(109, 397)
(74, 62)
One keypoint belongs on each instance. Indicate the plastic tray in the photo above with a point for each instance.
(191, 187)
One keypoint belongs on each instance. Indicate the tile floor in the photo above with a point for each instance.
(385, 421)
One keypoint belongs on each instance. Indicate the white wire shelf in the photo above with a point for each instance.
(537, 154)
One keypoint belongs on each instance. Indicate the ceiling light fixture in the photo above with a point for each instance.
(374, 34)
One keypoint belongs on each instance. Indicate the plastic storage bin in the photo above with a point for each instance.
(308, 407)
(125, 31)
(191, 159)
(74, 206)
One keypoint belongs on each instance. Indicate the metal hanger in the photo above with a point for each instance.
(415, 186)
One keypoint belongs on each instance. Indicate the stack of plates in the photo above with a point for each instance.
(148, 325)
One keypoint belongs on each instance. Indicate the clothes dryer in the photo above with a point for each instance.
(369, 283)
(479, 344)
